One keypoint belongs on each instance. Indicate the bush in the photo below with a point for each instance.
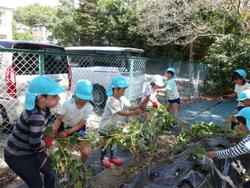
(227, 54)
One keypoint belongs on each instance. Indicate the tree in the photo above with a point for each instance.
(34, 14)
(89, 26)
(227, 54)
(105, 22)
(21, 35)
(97, 22)
(64, 27)
(120, 18)
(190, 23)
(183, 21)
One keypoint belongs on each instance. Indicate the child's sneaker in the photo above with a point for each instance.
(106, 163)
(116, 161)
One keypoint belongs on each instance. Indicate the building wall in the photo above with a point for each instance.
(21, 28)
(40, 32)
(6, 17)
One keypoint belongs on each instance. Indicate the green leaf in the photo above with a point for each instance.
(48, 131)
(72, 140)
(78, 184)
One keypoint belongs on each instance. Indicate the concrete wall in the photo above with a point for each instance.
(6, 17)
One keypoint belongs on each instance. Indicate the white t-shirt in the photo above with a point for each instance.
(171, 88)
(110, 119)
(72, 114)
(239, 88)
(149, 91)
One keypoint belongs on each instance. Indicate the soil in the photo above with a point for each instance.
(6, 176)
(112, 178)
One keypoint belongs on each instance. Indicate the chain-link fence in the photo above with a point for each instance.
(190, 76)
(19, 67)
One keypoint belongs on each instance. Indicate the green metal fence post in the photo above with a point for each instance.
(41, 64)
(131, 73)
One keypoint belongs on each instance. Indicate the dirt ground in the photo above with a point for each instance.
(112, 178)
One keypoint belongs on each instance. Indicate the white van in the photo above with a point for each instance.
(100, 64)
(19, 65)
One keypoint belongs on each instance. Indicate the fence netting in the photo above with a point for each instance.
(19, 67)
(190, 76)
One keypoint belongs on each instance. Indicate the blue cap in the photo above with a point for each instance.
(244, 95)
(171, 69)
(242, 73)
(117, 82)
(41, 85)
(84, 90)
(245, 112)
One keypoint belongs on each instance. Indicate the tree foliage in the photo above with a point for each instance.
(64, 27)
(21, 36)
(34, 14)
(182, 22)
(165, 28)
(227, 54)
(97, 22)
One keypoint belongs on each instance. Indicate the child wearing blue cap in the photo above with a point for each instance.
(151, 91)
(243, 117)
(74, 114)
(112, 114)
(24, 152)
(239, 79)
(244, 98)
(172, 92)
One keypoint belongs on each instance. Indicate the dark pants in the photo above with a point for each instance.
(29, 167)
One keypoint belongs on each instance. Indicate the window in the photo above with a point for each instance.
(55, 64)
(104, 58)
(28, 64)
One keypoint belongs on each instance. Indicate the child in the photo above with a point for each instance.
(243, 117)
(244, 98)
(149, 96)
(172, 92)
(239, 79)
(74, 113)
(110, 120)
(24, 152)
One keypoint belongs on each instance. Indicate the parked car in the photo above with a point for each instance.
(100, 64)
(17, 68)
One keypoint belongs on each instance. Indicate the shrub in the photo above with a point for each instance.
(227, 54)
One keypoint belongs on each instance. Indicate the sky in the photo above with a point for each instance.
(18, 3)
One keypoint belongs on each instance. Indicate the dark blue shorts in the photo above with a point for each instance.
(239, 108)
(80, 133)
(178, 101)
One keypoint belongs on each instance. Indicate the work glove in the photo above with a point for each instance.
(48, 141)
(144, 103)
(65, 134)
(155, 104)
